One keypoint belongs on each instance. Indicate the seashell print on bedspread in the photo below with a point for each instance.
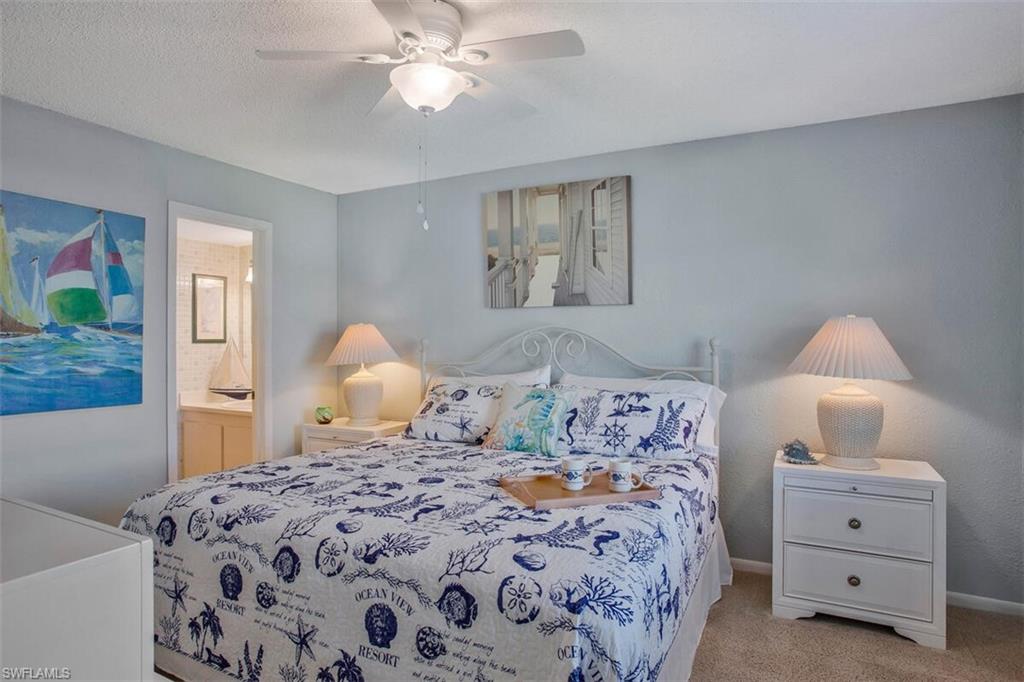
(401, 560)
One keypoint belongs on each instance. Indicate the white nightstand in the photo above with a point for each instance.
(869, 545)
(318, 437)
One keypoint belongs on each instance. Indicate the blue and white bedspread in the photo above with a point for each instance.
(404, 560)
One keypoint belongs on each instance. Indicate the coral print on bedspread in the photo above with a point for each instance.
(402, 560)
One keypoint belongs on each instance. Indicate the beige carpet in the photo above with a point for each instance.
(743, 642)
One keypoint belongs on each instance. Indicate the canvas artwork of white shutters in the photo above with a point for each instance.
(561, 244)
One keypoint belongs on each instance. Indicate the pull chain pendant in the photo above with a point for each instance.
(421, 208)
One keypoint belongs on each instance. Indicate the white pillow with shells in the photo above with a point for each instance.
(456, 411)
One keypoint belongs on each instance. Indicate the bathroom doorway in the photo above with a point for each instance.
(218, 341)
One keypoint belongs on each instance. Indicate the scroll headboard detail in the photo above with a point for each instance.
(566, 350)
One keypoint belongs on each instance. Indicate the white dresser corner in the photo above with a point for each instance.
(868, 545)
(76, 595)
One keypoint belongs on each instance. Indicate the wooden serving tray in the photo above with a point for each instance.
(545, 491)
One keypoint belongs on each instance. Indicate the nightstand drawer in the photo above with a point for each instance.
(321, 444)
(339, 436)
(858, 487)
(860, 581)
(862, 523)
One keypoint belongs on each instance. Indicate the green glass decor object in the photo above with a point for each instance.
(323, 415)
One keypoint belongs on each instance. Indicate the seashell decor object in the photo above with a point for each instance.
(797, 452)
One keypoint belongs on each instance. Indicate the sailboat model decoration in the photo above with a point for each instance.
(76, 341)
(231, 378)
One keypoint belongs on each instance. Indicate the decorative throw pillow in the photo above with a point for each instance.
(531, 377)
(632, 424)
(530, 419)
(713, 396)
(456, 411)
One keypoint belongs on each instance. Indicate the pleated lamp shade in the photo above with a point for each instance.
(361, 343)
(850, 348)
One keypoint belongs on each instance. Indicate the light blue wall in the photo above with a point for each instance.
(95, 462)
(913, 218)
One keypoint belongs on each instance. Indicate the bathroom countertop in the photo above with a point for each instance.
(194, 404)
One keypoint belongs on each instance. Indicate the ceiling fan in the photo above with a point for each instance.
(428, 34)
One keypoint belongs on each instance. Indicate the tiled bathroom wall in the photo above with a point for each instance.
(196, 361)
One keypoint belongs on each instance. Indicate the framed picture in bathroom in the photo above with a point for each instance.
(209, 308)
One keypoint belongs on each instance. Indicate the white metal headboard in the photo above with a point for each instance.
(565, 350)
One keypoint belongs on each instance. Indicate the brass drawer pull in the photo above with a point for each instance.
(853, 580)
(854, 523)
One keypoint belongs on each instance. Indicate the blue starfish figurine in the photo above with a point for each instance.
(797, 452)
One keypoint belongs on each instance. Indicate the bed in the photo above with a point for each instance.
(403, 559)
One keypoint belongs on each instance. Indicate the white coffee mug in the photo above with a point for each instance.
(576, 473)
(622, 478)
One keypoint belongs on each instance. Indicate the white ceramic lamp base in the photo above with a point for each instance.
(363, 392)
(850, 420)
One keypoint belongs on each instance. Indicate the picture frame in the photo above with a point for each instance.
(559, 244)
(209, 308)
(71, 305)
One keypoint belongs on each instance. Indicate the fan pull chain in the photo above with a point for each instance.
(421, 208)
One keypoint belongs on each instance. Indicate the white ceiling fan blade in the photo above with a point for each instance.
(536, 46)
(494, 97)
(400, 15)
(389, 104)
(323, 55)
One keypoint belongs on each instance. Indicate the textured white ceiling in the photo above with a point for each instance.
(184, 74)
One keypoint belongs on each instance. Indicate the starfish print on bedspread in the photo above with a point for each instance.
(301, 638)
(177, 594)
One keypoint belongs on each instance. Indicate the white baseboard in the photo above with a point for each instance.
(751, 566)
(973, 601)
(967, 601)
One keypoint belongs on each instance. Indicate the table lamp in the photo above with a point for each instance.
(363, 391)
(849, 417)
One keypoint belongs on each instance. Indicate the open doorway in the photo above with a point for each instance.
(218, 341)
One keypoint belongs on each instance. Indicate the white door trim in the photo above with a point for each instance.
(262, 437)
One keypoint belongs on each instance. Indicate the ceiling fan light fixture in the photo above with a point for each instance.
(427, 87)
(473, 56)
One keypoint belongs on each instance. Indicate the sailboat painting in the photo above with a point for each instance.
(71, 293)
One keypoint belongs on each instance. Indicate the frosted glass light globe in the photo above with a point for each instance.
(427, 87)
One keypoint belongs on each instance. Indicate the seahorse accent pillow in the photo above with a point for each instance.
(456, 411)
(632, 424)
(530, 420)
